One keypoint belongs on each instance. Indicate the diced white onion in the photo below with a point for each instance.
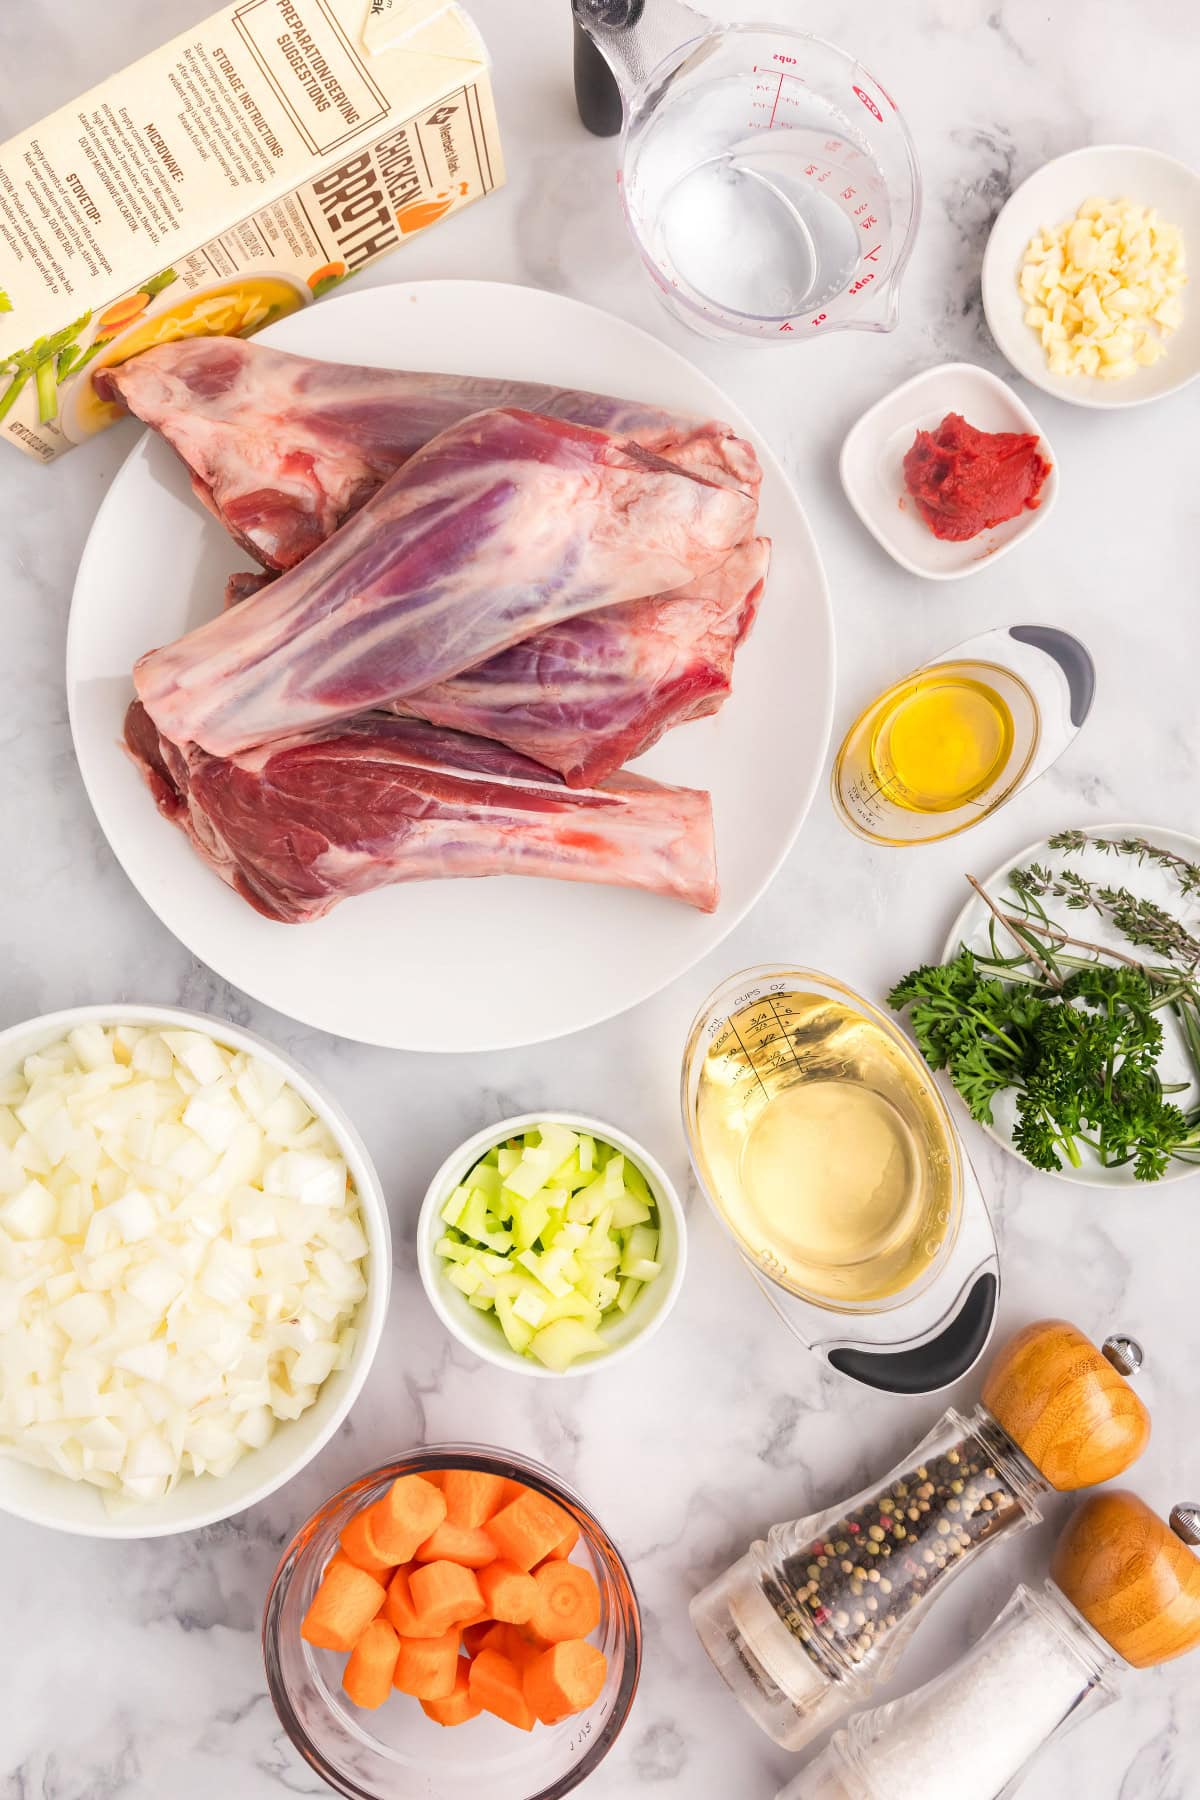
(181, 1258)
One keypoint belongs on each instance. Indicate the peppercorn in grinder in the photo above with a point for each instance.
(1124, 1589)
(804, 1625)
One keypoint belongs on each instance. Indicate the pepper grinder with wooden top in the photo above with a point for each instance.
(804, 1625)
(1124, 1590)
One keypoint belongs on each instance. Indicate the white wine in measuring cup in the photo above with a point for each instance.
(821, 1141)
(769, 181)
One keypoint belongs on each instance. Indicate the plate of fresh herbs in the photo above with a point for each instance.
(1066, 1008)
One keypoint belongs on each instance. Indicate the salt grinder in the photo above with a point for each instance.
(1124, 1589)
(806, 1623)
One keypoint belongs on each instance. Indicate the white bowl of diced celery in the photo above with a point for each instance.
(551, 1244)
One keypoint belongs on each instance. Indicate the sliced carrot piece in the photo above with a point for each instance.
(463, 1544)
(566, 1544)
(367, 1677)
(568, 1602)
(444, 1594)
(458, 1707)
(342, 1607)
(339, 1556)
(475, 1636)
(527, 1529)
(399, 1610)
(496, 1686)
(358, 1541)
(427, 1668)
(508, 1593)
(405, 1516)
(472, 1496)
(564, 1680)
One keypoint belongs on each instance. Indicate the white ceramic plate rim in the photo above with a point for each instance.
(370, 1322)
(972, 912)
(667, 944)
(488, 1343)
(1029, 520)
(996, 281)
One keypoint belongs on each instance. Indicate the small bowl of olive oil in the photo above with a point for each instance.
(937, 752)
(821, 1141)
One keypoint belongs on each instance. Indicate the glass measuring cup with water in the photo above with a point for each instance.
(769, 181)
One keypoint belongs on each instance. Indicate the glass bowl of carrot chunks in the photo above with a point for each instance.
(454, 1618)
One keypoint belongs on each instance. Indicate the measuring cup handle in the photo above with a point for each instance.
(935, 1364)
(596, 92)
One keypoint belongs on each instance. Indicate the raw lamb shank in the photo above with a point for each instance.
(282, 449)
(504, 525)
(295, 827)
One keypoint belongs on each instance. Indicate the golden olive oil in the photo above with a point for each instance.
(939, 740)
(936, 752)
(824, 1148)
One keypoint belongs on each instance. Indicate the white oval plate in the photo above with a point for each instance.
(872, 467)
(1055, 192)
(971, 928)
(456, 965)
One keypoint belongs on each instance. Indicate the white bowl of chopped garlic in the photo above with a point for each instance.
(1085, 280)
(195, 1264)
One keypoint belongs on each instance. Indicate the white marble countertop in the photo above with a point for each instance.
(133, 1670)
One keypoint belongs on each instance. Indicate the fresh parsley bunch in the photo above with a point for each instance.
(1082, 1056)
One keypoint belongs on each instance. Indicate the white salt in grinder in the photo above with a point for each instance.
(1124, 1590)
(805, 1625)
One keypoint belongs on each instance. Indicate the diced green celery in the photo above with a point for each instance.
(587, 1151)
(482, 1302)
(641, 1245)
(587, 1204)
(636, 1183)
(629, 1210)
(531, 1307)
(491, 1160)
(549, 1279)
(464, 1277)
(454, 1250)
(640, 1268)
(570, 1236)
(559, 1344)
(600, 1260)
(485, 1179)
(529, 1220)
(472, 1220)
(630, 1289)
(614, 1178)
(456, 1205)
(507, 1158)
(600, 1291)
(518, 1333)
(555, 1144)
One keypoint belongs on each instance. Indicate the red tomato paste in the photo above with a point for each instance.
(964, 480)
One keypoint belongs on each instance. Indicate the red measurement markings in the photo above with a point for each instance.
(861, 283)
(869, 223)
(870, 255)
(819, 320)
(787, 326)
(869, 104)
(778, 98)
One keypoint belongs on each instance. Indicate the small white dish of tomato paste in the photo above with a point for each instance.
(873, 475)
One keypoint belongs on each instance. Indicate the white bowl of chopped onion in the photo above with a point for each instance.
(194, 1270)
(1085, 278)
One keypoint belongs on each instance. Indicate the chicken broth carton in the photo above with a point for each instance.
(228, 179)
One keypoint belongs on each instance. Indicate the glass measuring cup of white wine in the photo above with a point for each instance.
(769, 181)
(820, 1140)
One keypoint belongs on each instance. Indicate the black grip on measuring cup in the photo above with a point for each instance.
(596, 92)
(1073, 658)
(936, 1364)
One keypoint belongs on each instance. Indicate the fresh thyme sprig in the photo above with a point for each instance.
(1139, 920)
(1186, 873)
